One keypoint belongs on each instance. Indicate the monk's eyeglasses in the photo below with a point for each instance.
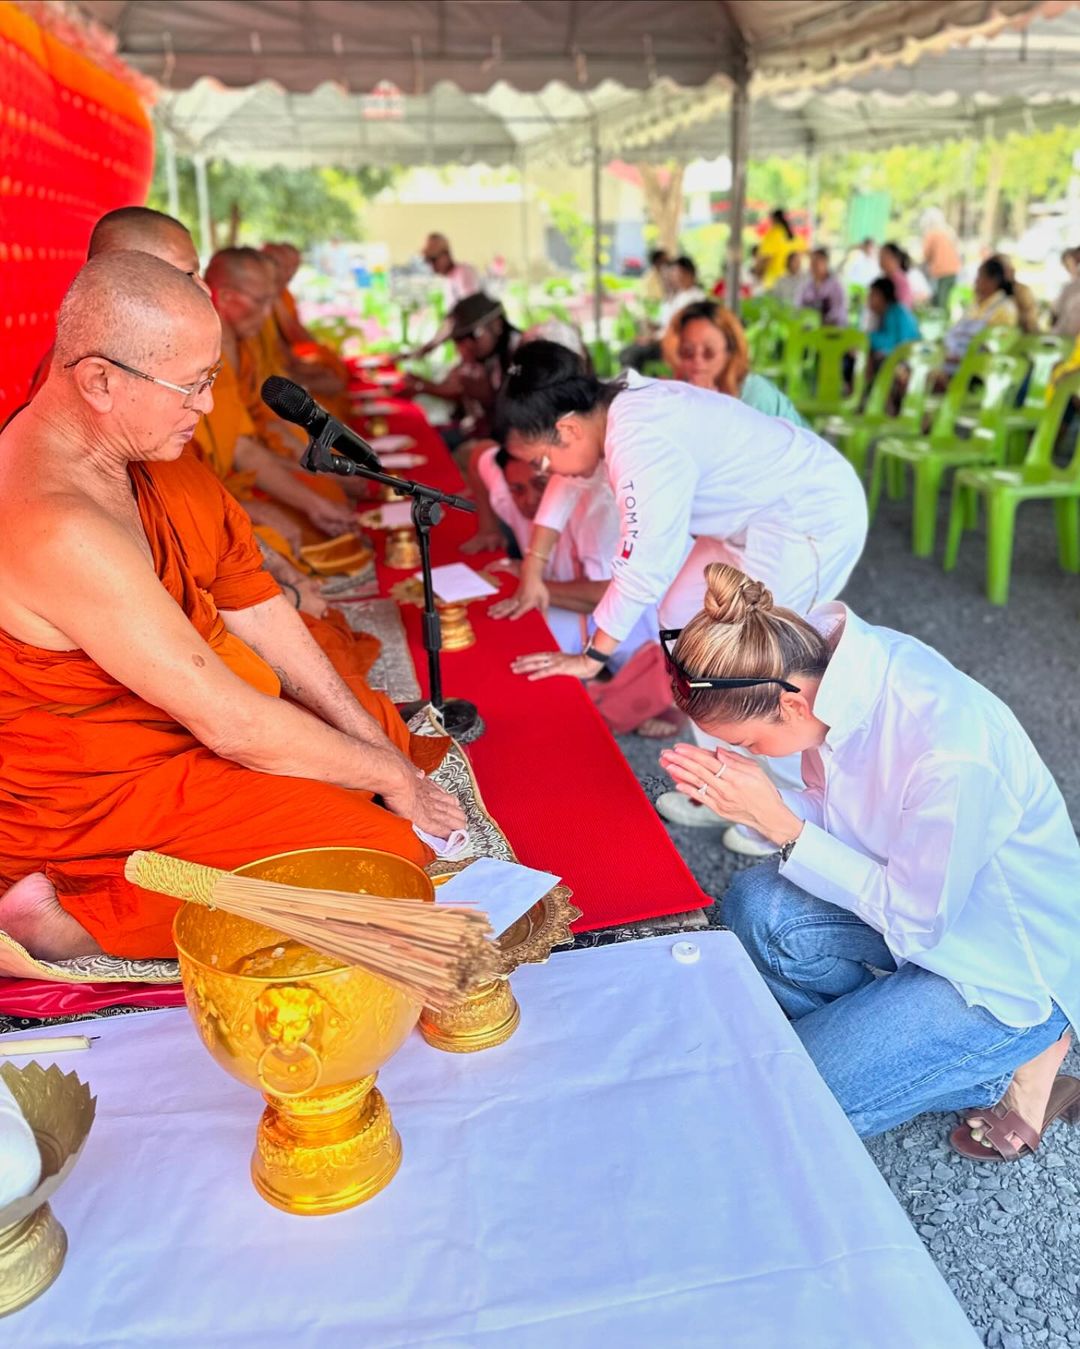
(190, 391)
(685, 683)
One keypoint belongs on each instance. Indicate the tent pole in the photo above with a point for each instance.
(171, 183)
(740, 137)
(523, 171)
(202, 194)
(812, 187)
(598, 303)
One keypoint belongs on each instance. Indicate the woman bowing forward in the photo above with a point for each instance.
(698, 478)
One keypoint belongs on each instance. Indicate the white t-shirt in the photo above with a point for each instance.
(590, 537)
(459, 281)
(686, 463)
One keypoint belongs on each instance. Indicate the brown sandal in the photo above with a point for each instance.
(1001, 1125)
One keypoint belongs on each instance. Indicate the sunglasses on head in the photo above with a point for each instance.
(687, 684)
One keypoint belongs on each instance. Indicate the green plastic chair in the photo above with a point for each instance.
(657, 370)
(854, 433)
(930, 457)
(793, 327)
(605, 360)
(1045, 353)
(822, 371)
(1037, 478)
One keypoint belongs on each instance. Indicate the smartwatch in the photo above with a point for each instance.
(601, 657)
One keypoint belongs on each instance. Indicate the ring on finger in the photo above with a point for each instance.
(703, 791)
(721, 770)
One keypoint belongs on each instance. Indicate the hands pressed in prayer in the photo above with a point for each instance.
(331, 517)
(484, 541)
(544, 664)
(428, 806)
(732, 787)
(530, 594)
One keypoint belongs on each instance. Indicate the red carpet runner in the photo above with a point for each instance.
(548, 768)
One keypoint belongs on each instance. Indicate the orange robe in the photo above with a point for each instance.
(91, 771)
(307, 351)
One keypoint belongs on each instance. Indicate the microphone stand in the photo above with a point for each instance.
(458, 717)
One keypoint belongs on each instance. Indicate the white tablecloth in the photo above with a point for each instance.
(650, 1161)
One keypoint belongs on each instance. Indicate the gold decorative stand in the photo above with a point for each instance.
(490, 1014)
(60, 1110)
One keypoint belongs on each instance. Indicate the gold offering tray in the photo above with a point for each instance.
(530, 939)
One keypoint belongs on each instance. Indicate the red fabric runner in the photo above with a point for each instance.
(548, 769)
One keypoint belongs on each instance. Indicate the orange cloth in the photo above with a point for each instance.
(303, 346)
(91, 771)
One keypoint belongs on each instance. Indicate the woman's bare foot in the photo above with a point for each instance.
(31, 914)
(1029, 1091)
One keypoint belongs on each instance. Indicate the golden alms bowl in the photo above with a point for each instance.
(60, 1110)
(306, 1031)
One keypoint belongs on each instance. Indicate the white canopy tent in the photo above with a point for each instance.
(299, 82)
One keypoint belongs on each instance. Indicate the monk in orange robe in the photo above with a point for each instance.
(318, 367)
(144, 651)
(243, 291)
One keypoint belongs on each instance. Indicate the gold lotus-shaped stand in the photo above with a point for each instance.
(490, 1013)
(403, 549)
(60, 1110)
(311, 1039)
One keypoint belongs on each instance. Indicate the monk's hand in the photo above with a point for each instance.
(312, 600)
(530, 594)
(733, 787)
(430, 808)
(544, 664)
(331, 517)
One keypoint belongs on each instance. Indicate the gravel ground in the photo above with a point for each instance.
(1006, 1238)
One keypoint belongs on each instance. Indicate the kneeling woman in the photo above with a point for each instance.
(931, 843)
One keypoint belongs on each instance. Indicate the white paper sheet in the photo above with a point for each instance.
(456, 581)
(504, 890)
(650, 1160)
(395, 514)
(402, 460)
(383, 445)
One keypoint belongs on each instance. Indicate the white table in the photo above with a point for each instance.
(651, 1161)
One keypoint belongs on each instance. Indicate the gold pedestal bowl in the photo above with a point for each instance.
(489, 1014)
(306, 1031)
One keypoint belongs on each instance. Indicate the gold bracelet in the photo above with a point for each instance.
(532, 552)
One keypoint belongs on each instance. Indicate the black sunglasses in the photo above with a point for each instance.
(686, 684)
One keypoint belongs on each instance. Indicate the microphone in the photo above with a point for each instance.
(294, 404)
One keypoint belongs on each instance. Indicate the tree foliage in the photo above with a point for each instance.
(257, 204)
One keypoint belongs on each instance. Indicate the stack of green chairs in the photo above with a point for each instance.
(1044, 354)
(1003, 489)
(819, 389)
(930, 457)
(853, 433)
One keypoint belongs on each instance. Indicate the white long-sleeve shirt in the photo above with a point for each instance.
(686, 462)
(930, 816)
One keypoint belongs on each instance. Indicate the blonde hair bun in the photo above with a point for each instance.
(731, 596)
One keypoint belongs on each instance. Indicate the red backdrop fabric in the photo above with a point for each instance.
(75, 142)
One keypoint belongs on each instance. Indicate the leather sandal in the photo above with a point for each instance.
(1000, 1126)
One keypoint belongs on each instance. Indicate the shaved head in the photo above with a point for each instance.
(138, 229)
(235, 267)
(133, 307)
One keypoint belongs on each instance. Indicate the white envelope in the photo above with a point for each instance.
(502, 890)
(456, 582)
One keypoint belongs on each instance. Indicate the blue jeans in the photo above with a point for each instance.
(888, 1047)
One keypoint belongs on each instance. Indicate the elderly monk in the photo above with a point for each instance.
(264, 446)
(143, 649)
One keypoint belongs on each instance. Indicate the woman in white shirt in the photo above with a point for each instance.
(698, 477)
(930, 843)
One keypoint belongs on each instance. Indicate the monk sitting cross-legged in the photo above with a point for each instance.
(143, 648)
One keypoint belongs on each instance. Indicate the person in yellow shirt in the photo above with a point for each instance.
(775, 247)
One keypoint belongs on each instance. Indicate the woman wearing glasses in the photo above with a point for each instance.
(930, 844)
